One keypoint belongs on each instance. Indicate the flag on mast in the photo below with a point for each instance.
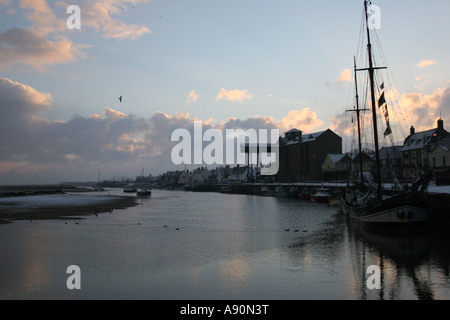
(382, 100)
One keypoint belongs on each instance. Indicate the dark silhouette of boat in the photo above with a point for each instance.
(365, 201)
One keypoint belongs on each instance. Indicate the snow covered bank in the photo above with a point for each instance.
(60, 205)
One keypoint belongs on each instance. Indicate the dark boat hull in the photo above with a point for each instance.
(399, 209)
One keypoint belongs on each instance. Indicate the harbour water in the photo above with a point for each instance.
(178, 245)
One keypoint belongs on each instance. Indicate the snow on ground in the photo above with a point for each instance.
(54, 200)
(433, 188)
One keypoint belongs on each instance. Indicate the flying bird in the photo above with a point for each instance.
(120, 99)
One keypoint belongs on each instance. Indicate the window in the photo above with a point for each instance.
(444, 161)
(434, 162)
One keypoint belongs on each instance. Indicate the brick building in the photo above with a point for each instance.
(302, 155)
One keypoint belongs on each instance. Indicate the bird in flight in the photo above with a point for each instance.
(120, 99)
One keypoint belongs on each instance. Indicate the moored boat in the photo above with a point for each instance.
(305, 194)
(365, 200)
(144, 192)
(334, 202)
(322, 195)
(130, 189)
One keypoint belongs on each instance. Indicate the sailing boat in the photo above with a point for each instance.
(365, 201)
(143, 191)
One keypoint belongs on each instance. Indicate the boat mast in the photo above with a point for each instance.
(359, 125)
(371, 70)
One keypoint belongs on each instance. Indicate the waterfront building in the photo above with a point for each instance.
(417, 147)
(185, 177)
(239, 174)
(391, 163)
(439, 157)
(301, 155)
(201, 175)
(336, 167)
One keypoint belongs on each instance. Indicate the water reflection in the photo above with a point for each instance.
(227, 247)
(234, 275)
(413, 261)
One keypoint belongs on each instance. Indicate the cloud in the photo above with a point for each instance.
(113, 114)
(19, 100)
(46, 42)
(26, 138)
(192, 97)
(305, 120)
(426, 63)
(345, 76)
(5, 2)
(95, 14)
(423, 110)
(41, 45)
(99, 15)
(33, 149)
(30, 48)
(44, 20)
(234, 95)
(416, 109)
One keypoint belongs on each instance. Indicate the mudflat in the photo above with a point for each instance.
(60, 205)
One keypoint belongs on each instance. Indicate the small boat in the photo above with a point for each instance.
(305, 194)
(187, 186)
(321, 196)
(267, 192)
(334, 202)
(144, 192)
(130, 189)
(98, 188)
(293, 193)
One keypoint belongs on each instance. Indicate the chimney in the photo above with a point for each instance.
(440, 124)
(412, 131)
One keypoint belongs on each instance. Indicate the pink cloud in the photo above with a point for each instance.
(234, 95)
(345, 76)
(46, 43)
(28, 47)
(192, 97)
(417, 109)
(305, 120)
(426, 63)
(99, 15)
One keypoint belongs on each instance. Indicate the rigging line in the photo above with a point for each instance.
(392, 105)
(346, 118)
(366, 132)
(379, 79)
(389, 75)
(360, 50)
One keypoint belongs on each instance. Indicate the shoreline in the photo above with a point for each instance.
(22, 208)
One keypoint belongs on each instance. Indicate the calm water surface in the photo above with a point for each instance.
(226, 247)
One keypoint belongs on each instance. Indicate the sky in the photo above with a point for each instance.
(230, 64)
